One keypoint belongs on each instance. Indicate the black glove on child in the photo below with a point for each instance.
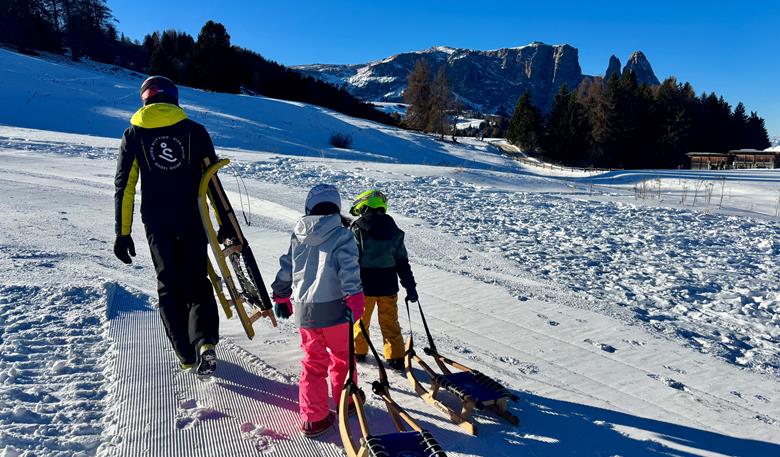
(124, 248)
(411, 294)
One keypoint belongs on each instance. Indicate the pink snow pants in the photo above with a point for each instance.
(325, 352)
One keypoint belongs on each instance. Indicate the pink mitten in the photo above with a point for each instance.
(356, 303)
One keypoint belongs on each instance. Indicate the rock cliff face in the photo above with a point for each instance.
(613, 68)
(641, 67)
(489, 81)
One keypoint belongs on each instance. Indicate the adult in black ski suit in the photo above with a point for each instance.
(167, 151)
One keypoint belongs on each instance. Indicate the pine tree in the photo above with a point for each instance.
(713, 122)
(739, 136)
(419, 96)
(163, 59)
(566, 132)
(626, 136)
(216, 61)
(28, 24)
(757, 136)
(525, 126)
(87, 28)
(673, 116)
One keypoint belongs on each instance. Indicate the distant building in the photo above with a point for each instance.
(753, 158)
(736, 159)
(709, 160)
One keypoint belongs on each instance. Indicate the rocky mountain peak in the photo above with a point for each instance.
(487, 81)
(613, 68)
(639, 64)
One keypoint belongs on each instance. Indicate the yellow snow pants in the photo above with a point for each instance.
(388, 323)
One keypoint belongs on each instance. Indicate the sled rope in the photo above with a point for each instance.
(431, 349)
(239, 184)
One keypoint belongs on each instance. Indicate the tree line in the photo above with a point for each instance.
(85, 28)
(619, 123)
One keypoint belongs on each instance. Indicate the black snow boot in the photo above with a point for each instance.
(207, 360)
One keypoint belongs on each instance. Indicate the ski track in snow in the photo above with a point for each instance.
(709, 280)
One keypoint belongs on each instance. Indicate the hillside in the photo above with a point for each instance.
(52, 93)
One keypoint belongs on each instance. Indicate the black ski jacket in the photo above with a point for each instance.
(167, 151)
(383, 256)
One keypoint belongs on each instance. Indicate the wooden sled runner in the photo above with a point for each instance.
(410, 440)
(247, 291)
(473, 389)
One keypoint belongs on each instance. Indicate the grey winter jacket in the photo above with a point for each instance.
(319, 270)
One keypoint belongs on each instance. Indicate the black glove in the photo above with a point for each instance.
(411, 294)
(225, 232)
(124, 248)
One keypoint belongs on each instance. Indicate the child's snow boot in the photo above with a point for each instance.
(396, 364)
(320, 427)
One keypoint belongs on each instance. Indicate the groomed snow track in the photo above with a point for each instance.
(242, 411)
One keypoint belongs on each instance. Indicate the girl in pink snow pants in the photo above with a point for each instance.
(318, 282)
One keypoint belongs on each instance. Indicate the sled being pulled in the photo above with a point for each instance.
(233, 257)
(409, 439)
(473, 389)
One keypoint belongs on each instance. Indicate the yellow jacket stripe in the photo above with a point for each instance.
(128, 199)
(158, 115)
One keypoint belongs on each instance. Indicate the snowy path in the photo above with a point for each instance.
(242, 411)
(589, 383)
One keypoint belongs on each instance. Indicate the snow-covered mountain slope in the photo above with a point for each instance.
(627, 326)
(488, 81)
(95, 99)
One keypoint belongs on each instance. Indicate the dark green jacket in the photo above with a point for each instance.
(383, 258)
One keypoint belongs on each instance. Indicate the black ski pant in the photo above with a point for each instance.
(187, 305)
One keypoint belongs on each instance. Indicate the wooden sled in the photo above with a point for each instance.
(409, 439)
(473, 389)
(248, 295)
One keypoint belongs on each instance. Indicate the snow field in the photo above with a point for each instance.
(55, 365)
(589, 383)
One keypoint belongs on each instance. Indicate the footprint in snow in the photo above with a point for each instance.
(523, 367)
(261, 437)
(761, 398)
(550, 322)
(767, 420)
(462, 350)
(602, 346)
(677, 385)
(190, 414)
(634, 342)
(676, 370)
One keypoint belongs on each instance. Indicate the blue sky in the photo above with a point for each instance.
(732, 48)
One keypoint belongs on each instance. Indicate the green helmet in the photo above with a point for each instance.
(368, 199)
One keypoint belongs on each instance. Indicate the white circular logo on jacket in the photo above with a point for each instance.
(167, 153)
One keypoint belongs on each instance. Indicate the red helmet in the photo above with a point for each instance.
(159, 89)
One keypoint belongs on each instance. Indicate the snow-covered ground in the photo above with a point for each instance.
(628, 325)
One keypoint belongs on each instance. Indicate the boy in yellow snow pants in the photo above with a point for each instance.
(383, 261)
